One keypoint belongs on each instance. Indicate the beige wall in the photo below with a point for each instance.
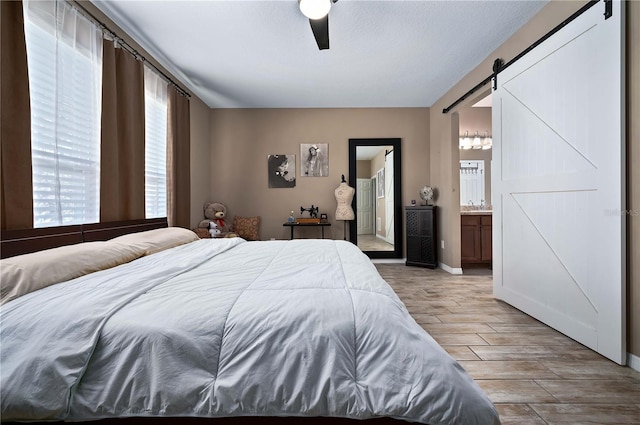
(445, 126)
(475, 119)
(241, 139)
(472, 120)
(633, 181)
(363, 169)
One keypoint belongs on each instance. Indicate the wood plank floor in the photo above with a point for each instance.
(533, 374)
(373, 243)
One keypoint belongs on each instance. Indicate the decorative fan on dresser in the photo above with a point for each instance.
(426, 194)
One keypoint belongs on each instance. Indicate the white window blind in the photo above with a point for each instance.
(155, 158)
(64, 54)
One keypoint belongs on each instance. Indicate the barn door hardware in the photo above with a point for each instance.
(497, 67)
(608, 9)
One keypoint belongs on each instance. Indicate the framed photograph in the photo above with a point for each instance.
(380, 183)
(282, 170)
(314, 159)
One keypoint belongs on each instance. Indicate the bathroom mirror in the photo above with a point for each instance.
(375, 173)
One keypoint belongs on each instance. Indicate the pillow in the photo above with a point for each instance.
(246, 227)
(152, 241)
(202, 232)
(26, 273)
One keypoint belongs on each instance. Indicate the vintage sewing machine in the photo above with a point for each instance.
(313, 211)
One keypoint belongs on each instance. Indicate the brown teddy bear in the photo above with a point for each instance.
(215, 214)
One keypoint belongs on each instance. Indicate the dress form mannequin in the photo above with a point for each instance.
(344, 195)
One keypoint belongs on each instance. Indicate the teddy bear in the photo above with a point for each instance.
(216, 213)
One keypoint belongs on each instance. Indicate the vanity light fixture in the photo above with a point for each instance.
(487, 142)
(476, 142)
(315, 9)
(465, 141)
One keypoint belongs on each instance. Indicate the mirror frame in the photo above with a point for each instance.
(397, 189)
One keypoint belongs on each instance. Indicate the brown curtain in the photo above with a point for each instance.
(16, 187)
(122, 147)
(178, 159)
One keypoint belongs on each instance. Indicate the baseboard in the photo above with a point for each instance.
(388, 260)
(451, 270)
(633, 361)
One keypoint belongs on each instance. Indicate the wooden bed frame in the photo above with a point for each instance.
(24, 241)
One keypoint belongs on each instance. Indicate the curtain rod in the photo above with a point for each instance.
(126, 45)
(498, 65)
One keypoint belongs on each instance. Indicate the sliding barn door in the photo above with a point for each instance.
(558, 182)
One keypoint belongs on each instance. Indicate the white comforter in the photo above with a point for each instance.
(225, 327)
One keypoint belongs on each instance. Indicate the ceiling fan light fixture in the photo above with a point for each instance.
(315, 9)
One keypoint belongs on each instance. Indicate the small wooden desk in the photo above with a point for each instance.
(321, 225)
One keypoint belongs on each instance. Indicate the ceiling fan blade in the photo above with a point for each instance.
(320, 28)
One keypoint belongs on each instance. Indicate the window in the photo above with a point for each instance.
(64, 55)
(155, 174)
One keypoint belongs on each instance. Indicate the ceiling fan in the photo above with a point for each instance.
(318, 13)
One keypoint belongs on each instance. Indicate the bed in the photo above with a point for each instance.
(207, 329)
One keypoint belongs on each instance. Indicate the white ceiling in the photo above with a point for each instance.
(364, 153)
(485, 102)
(262, 54)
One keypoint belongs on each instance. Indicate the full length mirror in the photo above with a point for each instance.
(374, 171)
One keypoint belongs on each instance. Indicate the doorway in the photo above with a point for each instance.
(476, 211)
(365, 206)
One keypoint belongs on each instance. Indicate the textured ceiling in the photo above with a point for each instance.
(262, 54)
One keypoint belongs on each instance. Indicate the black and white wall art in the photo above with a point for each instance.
(282, 170)
(314, 159)
(380, 183)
